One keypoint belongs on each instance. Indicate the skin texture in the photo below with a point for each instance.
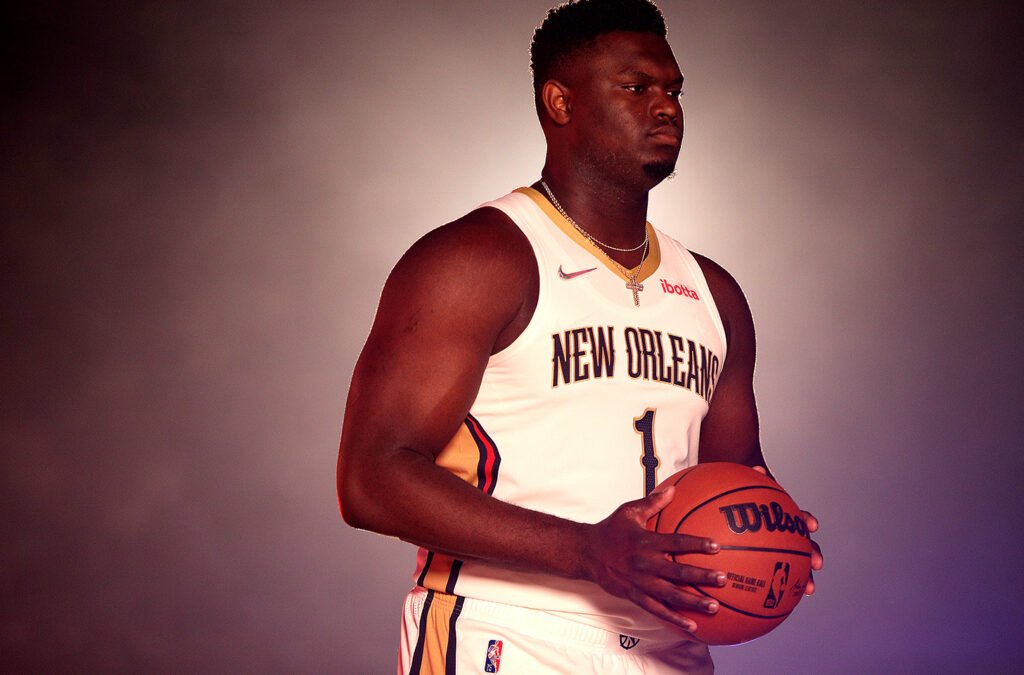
(608, 118)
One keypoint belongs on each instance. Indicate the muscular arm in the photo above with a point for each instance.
(439, 320)
(460, 294)
(730, 432)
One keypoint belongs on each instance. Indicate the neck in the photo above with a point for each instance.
(608, 210)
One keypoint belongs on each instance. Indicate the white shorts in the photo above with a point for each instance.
(451, 635)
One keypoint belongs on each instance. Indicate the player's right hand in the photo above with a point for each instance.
(629, 561)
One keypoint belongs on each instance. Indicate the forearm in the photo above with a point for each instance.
(747, 456)
(419, 502)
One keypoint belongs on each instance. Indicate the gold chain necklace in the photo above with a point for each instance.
(631, 275)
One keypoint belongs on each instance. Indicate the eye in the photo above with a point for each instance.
(676, 93)
(635, 88)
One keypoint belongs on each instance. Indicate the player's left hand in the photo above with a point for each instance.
(817, 560)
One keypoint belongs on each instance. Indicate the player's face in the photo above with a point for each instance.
(627, 117)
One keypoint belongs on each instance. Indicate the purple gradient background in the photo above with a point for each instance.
(200, 203)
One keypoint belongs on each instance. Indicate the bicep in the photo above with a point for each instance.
(730, 431)
(416, 376)
(441, 313)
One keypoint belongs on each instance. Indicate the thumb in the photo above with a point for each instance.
(656, 501)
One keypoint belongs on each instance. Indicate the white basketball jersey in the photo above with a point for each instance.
(597, 402)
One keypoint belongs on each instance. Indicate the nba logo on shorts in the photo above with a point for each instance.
(493, 662)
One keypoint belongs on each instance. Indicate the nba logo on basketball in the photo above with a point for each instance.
(493, 662)
(779, 579)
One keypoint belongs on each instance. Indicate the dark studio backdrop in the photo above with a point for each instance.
(201, 201)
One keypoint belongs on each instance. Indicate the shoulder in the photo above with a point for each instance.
(485, 233)
(482, 250)
(729, 298)
(480, 267)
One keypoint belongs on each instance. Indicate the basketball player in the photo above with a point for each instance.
(537, 367)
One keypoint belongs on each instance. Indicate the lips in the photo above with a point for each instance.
(668, 134)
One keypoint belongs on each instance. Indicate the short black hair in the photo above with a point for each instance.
(575, 25)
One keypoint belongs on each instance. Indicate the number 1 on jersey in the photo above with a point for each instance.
(644, 425)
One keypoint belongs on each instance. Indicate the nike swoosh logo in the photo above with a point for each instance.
(569, 275)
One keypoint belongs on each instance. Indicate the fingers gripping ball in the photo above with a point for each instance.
(765, 547)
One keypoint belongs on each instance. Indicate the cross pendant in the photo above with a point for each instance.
(636, 288)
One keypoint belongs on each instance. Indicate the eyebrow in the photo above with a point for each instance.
(646, 77)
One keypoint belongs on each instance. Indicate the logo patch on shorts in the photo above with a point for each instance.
(628, 642)
(493, 662)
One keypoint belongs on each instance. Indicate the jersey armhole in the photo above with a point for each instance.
(517, 207)
(708, 297)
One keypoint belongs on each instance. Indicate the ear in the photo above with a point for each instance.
(557, 100)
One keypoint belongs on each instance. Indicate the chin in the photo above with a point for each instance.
(659, 171)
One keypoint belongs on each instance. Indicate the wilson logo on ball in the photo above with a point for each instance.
(751, 517)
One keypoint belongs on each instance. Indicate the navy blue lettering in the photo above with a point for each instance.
(633, 352)
(560, 361)
(580, 370)
(604, 351)
(649, 361)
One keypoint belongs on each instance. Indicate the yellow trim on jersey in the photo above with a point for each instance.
(461, 456)
(647, 267)
(436, 578)
(472, 456)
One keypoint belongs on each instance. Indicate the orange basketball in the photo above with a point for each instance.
(766, 549)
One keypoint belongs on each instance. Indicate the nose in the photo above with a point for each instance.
(667, 107)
